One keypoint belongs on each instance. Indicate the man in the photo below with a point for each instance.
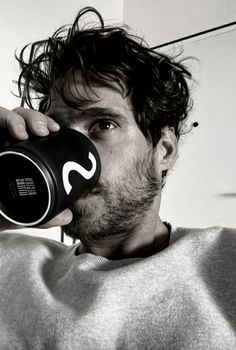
(132, 282)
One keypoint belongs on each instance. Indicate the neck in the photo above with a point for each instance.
(147, 239)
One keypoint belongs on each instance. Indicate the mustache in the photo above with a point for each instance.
(80, 208)
(99, 187)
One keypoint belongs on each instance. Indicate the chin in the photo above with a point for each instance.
(82, 227)
(88, 215)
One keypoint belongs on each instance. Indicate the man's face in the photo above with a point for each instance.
(129, 181)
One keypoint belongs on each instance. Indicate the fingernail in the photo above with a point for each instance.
(54, 126)
(43, 131)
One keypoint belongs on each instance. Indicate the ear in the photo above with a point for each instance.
(166, 149)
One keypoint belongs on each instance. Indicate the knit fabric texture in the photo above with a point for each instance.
(182, 298)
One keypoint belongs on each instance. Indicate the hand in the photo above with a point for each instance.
(21, 122)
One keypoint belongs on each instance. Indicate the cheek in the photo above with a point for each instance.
(115, 164)
(118, 158)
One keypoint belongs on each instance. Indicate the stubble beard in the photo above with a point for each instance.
(124, 204)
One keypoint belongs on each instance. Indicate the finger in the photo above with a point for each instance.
(52, 125)
(37, 123)
(14, 123)
(64, 218)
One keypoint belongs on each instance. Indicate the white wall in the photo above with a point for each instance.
(26, 21)
(161, 21)
(201, 190)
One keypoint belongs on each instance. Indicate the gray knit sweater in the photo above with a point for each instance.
(182, 298)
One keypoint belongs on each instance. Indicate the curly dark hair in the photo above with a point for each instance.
(155, 83)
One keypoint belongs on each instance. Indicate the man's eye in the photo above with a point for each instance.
(102, 126)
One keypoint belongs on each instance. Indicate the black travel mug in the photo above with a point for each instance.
(41, 177)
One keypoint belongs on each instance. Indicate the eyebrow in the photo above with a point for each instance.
(93, 113)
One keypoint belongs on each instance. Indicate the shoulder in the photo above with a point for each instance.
(210, 244)
(20, 243)
(213, 247)
(225, 235)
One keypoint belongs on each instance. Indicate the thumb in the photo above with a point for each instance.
(63, 218)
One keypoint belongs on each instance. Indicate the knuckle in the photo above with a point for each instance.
(21, 111)
(17, 109)
(9, 120)
(5, 117)
(40, 122)
(30, 116)
(44, 118)
(49, 119)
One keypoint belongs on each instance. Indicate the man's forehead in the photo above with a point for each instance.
(75, 86)
(99, 97)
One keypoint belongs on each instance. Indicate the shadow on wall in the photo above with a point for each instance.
(227, 195)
